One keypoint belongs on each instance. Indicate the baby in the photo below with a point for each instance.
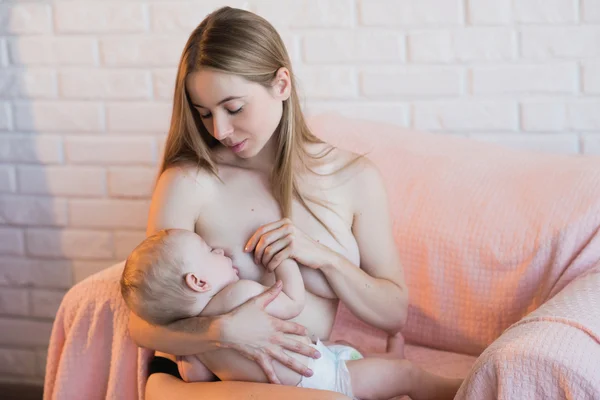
(174, 274)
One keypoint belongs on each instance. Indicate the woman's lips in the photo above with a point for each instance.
(238, 147)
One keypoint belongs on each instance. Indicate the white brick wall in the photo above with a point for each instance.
(488, 44)
(102, 17)
(85, 102)
(546, 11)
(591, 10)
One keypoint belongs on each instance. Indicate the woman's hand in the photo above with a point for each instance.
(262, 338)
(274, 242)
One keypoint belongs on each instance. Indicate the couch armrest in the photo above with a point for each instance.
(90, 354)
(552, 353)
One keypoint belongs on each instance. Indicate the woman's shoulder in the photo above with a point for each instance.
(327, 159)
(179, 194)
(188, 180)
(187, 173)
(324, 158)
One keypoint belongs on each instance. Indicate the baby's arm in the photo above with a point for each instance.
(288, 304)
(293, 294)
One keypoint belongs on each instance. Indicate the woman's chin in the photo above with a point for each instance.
(243, 155)
(248, 152)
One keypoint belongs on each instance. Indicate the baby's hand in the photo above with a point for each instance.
(287, 261)
(395, 345)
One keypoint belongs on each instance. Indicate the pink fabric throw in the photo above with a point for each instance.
(501, 252)
(91, 355)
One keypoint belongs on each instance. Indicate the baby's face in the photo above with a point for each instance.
(211, 263)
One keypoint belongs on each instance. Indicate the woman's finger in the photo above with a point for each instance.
(269, 295)
(279, 257)
(269, 239)
(263, 243)
(290, 362)
(253, 241)
(274, 251)
(297, 346)
(283, 326)
(267, 366)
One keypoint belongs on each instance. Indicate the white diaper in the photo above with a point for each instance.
(330, 371)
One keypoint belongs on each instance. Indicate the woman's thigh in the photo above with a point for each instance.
(164, 386)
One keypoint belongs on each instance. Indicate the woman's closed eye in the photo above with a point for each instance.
(231, 112)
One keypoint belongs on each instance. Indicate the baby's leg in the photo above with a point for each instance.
(394, 347)
(377, 378)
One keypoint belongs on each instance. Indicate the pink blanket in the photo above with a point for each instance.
(501, 251)
(91, 355)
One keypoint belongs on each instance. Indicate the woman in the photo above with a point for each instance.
(242, 169)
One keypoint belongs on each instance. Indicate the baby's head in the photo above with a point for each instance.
(173, 274)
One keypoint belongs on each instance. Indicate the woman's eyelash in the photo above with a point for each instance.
(229, 111)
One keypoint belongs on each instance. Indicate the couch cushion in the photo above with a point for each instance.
(486, 233)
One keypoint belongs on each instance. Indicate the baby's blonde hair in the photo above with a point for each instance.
(152, 283)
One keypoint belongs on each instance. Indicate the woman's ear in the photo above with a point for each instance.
(196, 284)
(282, 84)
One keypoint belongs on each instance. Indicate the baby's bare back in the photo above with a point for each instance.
(229, 364)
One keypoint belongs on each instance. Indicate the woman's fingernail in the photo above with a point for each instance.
(309, 372)
(317, 354)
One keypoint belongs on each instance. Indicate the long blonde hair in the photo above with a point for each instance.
(242, 43)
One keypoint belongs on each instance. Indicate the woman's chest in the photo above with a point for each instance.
(241, 207)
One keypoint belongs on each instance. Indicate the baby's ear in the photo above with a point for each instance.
(196, 284)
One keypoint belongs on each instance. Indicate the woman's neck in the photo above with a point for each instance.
(263, 162)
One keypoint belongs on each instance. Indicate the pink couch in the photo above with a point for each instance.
(501, 250)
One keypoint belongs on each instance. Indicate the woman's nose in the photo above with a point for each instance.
(221, 128)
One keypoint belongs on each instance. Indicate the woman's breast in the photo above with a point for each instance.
(230, 222)
(321, 302)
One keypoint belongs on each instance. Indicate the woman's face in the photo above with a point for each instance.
(240, 114)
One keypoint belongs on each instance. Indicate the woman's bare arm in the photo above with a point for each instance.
(376, 292)
(174, 205)
(185, 337)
